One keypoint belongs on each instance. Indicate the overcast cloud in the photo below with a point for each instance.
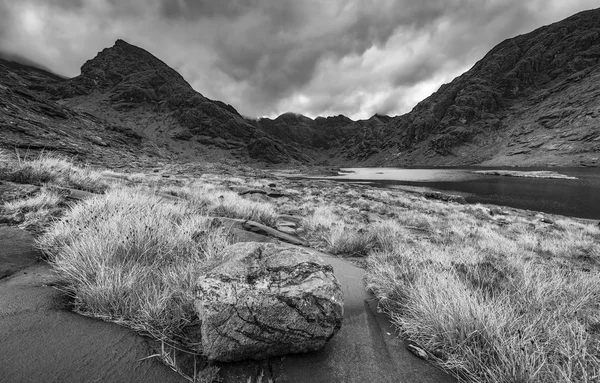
(267, 57)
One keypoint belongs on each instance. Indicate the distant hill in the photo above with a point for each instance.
(532, 100)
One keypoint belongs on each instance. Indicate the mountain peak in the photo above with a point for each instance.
(112, 65)
(121, 42)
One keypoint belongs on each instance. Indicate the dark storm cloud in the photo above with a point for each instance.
(265, 57)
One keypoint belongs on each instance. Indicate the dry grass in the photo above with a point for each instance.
(132, 258)
(50, 168)
(491, 298)
(36, 213)
(45, 199)
(496, 304)
(219, 202)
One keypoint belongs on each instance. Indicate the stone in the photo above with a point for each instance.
(417, 351)
(259, 228)
(266, 300)
(242, 230)
(496, 211)
(445, 197)
(239, 235)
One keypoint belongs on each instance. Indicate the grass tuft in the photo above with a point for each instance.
(225, 203)
(492, 318)
(132, 258)
(50, 168)
(45, 199)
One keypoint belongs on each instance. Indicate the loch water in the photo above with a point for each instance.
(576, 198)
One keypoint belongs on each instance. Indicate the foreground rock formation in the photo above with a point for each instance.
(267, 300)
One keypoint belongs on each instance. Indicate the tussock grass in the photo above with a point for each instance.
(50, 168)
(495, 308)
(219, 202)
(45, 199)
(492, 298)
(37, 212)
(328, 230)
(134, 259)
(348, 243)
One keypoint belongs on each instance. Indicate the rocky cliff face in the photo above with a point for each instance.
(532, 100)
(30, 121)
(130, 87)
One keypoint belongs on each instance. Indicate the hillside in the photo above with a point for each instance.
(532, 100)
(129, 101)
(30, 121)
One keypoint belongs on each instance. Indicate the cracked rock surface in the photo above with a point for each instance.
(266, 300)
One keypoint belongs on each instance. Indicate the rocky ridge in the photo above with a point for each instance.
(532, 100)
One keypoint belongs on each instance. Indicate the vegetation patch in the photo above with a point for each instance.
(132, 258)
(492, 308)
(490, 297)
(220, 202)
(49, 168)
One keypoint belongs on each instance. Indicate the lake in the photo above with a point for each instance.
(577, 198)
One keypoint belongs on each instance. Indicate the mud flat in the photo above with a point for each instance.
(41, 340)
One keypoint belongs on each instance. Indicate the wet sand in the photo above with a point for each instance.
(365, 350)
(41, 340)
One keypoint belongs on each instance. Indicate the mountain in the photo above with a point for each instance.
(532, 100)
(30, 121)
(129, 87)
(126, 100)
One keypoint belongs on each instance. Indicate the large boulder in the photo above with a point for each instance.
(265, 300)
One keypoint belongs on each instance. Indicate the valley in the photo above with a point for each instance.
(150, 233)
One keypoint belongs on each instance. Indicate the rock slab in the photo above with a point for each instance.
(266, 300)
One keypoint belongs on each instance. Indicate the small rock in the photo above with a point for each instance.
(417, 351)
(287, 229)
(496, 211)
(252, 191)
(445, 197)
(272, 185)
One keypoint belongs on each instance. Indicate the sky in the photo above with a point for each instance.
(267, 57)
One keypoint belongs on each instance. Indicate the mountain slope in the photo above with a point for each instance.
(532, 100)
(129, 87)
(29, 121)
